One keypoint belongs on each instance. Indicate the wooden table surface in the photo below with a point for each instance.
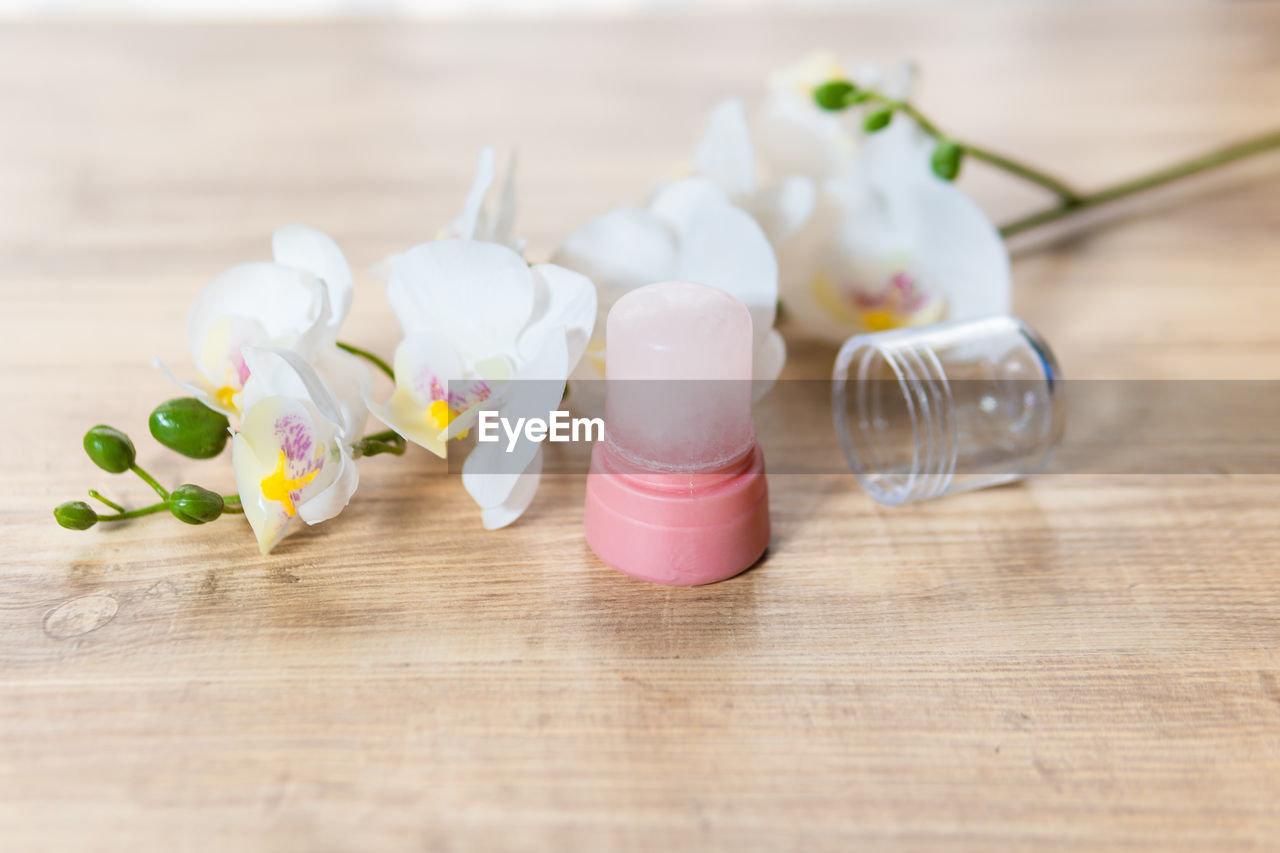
(1078, 662)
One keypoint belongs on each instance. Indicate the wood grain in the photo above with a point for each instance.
(1080, 662)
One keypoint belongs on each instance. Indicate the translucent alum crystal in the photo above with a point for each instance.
(678, 368)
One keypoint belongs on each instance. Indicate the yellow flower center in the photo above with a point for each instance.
(874, 318)
(882, 320)
(226, 396)
(439, 415)
(276, 486)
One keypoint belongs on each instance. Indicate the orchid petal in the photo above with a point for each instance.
(428, 369)
(220, 361)
(425, 364)
(783, 209)
(465, 223)
(348, 378)
(478, 294)
(490, 472)
(811, 259)
(519, 498)
(502, 230)
(315, 252)
(896, 157)
(268, 519)
(287, 439)
(282, 373)
(402, 414)
(203, 393)
(620, 250)
(321, 334)
(486, 390)
(724, 154)
(565, 304)
(284, 301)
(680, 202)
(961, 256)
(957, 251)
(795, 137)
(488, 487)
(332, 499)
(723, 247)
(891, 227)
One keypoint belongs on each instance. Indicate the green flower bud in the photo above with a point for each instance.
(834, 94)
(75, 515)
(877, 119)
(109, 448)
(189, 427)
(194, 505)
(946, 160)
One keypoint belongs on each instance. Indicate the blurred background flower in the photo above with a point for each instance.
(868, 238)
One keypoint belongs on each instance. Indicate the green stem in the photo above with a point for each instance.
(123, 514)
(94, 493)
(1035, 176)
(370, 357)
(150, 481)
(1203, 163)
(136, 513)
(1069, 200)
(986, 155)
(387, 441)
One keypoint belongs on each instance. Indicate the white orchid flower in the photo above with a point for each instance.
(689, 232)
(483, 330)
(892, 245)
(297, 302)
(292, 455)
(794, 136)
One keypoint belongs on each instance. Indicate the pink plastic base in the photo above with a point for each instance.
(678, 530)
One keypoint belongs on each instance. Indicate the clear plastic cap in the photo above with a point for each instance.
(930, 411)
(678, 372)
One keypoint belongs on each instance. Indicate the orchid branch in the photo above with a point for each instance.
(124, 515)
(150, 481)
(949, 154)
(838, 95)
(387, 441)
(96, 495)
(113, 451)
(230, 504)
(1203, 163)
